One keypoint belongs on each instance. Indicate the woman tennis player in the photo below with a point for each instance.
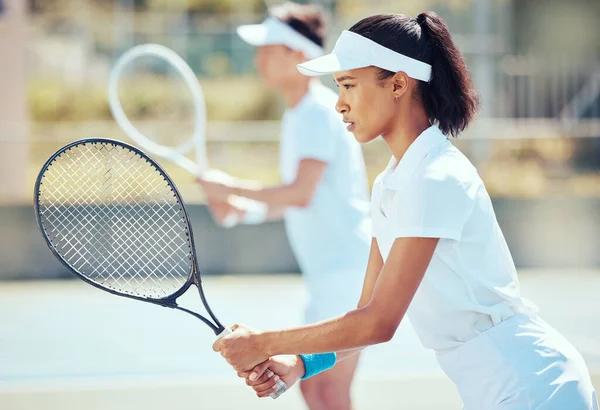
(437, 254)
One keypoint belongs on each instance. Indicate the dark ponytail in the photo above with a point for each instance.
(450, 99)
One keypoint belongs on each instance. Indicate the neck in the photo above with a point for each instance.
(406, 128)
(293, 91)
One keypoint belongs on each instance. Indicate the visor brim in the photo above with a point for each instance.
(328, 64)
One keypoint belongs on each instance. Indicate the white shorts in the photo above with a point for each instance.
(331, 294)
(520, 364)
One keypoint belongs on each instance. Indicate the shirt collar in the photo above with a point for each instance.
(418, 150)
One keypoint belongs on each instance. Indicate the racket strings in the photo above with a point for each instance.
(116, 220)
(156, 98)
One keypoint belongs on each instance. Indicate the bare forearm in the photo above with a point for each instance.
(355, 329)
(276, 197)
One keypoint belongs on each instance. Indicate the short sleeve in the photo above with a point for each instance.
(315, 135)
(432, 207)
(376, 197)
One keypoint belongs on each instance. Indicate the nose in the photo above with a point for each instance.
(341, 106)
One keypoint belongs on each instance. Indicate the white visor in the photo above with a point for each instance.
(275, 32)
(353, 51)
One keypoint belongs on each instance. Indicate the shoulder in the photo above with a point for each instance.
(446, 171)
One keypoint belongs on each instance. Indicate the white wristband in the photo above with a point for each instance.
(256, 212)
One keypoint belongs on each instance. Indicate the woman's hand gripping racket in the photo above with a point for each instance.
(115, 219)
(159, 65)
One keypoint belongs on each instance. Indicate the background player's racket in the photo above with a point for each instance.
(115, 219)
(170, 126)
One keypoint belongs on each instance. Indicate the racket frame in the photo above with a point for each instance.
(176, 155)
(173, 154)
(194, 276)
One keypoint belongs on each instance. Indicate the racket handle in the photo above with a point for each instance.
(281, 387)
(227, 331)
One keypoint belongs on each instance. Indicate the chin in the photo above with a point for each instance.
(364, 138)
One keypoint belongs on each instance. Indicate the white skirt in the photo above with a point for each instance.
(520, 364)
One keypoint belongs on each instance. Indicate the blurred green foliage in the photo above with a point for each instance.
(227, 99)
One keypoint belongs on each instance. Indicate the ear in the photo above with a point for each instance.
(400, 83)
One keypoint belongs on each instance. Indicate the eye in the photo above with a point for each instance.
(347, 86)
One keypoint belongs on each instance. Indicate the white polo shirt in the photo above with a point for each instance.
(471, 282)
(333, 234)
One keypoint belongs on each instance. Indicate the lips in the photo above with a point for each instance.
(349, 124)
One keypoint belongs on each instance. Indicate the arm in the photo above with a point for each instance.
(298, 193)
(376, 322)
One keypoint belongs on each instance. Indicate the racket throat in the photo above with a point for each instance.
(217, 328)
(172, 303)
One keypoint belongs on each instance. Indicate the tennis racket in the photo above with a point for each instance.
(160, 130)
(115, 219)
